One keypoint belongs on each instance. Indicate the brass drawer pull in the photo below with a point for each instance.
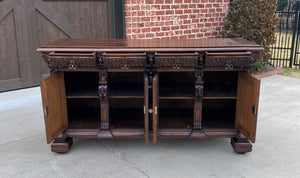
(228, 66)
(125, 67)
(72, 65)
(176, 65)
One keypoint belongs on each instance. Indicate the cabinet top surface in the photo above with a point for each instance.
(148, 45)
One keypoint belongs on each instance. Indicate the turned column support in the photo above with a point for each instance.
(241, 144)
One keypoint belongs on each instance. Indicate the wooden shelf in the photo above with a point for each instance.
(176, 118)
(126, 90)
(81, 84)
(132, 118)
(82, 91)
(219, 91)
(176, 91)
(84, 118)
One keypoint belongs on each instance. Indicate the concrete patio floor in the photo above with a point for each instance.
(276, 153)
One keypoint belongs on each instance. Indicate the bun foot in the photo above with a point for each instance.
(61, 145)
(241, 144)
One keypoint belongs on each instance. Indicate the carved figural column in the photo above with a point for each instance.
(104, 102)
(103, 99)
(198, 93)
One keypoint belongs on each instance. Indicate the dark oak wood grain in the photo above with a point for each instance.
(247, 105)
(158, 88)
(54, 105)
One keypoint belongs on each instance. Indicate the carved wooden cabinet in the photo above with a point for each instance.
(150, 89)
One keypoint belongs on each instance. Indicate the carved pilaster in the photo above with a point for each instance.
(104, 104)
(198, 92)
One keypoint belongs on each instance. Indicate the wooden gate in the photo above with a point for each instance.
(27, 24)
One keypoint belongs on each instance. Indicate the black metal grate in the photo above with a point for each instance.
(286, 51)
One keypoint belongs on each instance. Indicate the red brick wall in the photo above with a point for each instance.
(175, 19)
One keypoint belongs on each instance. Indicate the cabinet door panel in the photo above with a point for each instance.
(146, 108)
(55, 106)
(247, 104)
(155, 107)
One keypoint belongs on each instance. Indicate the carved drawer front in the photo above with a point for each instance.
(124, 61)
(176, 61)
(228, 60)
(71, 61)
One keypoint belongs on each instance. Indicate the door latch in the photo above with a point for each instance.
(46, 112)
(254, 109)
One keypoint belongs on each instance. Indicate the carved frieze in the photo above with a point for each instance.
(124, 62)
(229, 62)
(176, 62)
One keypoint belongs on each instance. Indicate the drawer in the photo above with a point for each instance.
(228, 60)
(71, 61)
(176, 61)
(125, 61)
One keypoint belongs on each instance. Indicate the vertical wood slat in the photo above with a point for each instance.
(97, 24)
(21, 28)
(6, 7)
(9, 68)
(56, 19)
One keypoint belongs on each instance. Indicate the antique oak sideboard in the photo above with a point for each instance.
(197, 88)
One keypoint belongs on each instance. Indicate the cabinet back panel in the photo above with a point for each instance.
(125, 77)
(83, 113)
(219, 113)
(81, 82)
(171, 103)
(224, 77)
(176, 77)
(126, 103)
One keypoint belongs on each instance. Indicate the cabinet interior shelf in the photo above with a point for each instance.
(219, 91)
(86, 119)
(176, 91)
(82, 91)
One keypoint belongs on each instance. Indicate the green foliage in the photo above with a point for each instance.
(259, 65)
(254, 20)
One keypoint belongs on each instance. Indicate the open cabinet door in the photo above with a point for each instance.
(155, 108)
(54, 105)
(247, 104)
(146, 108)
